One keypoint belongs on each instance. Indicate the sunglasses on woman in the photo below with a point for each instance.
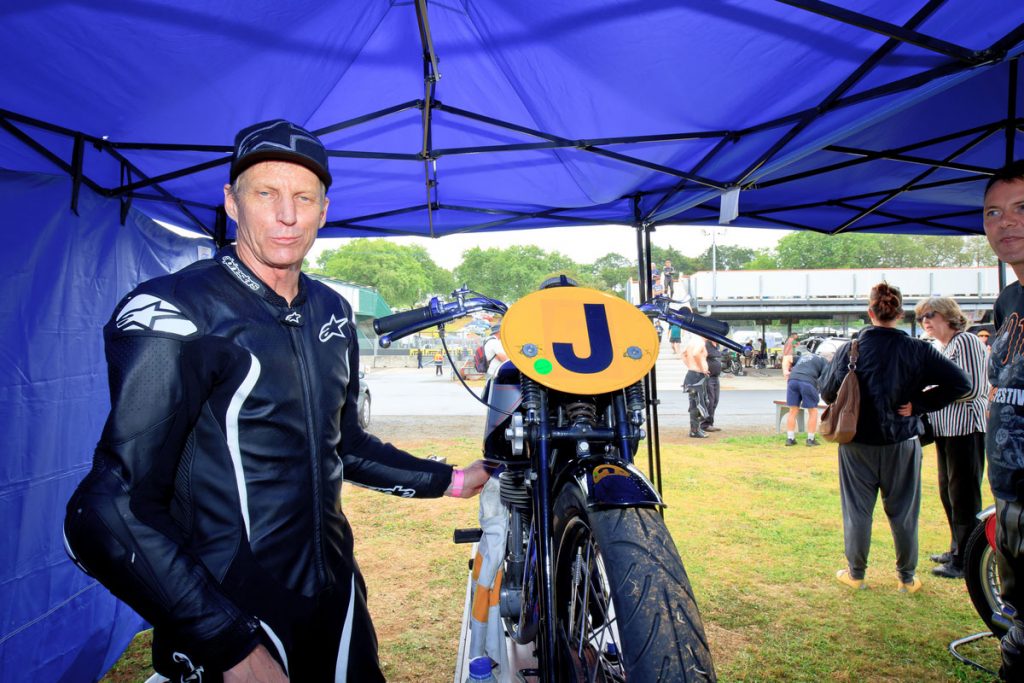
(926, 316)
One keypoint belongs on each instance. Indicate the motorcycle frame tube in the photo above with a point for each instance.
(542, 513)
(622, 428)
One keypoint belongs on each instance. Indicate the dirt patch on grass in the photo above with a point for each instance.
(418, 428)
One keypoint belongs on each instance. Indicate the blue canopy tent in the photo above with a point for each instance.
(440, 117)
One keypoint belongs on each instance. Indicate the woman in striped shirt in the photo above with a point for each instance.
(959, 429)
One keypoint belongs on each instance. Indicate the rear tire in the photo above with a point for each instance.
(981, 573)
(625, 609)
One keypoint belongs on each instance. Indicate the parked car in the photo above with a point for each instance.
(825, 347)
(364, 402)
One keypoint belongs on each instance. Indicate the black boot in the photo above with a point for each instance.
(1012, 652)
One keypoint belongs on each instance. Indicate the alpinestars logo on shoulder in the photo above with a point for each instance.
(147, 312)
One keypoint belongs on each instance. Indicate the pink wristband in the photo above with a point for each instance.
(457, 477)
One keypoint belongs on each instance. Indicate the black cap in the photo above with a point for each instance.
(279, 140)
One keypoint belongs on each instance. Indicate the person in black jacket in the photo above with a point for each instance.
(213, 507)
(900, 378)
(1003, 218)
(714, 386)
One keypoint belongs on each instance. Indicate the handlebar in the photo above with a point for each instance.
(701, 325)
(397, 321)
(398, 325)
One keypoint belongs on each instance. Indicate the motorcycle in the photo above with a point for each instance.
(981, 573)
(733, 362)
(591, 577)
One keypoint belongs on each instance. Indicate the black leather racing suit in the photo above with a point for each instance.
(213, 505)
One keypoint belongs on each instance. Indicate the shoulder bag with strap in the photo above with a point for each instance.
(839, 420)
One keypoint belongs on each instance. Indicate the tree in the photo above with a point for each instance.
(684, 265)
(815, 250)
(977, 252)
(766, 259)
(612, 270)
(875, 250)
(511, 273)
(404, 275)
(727, 258)
(441, 280)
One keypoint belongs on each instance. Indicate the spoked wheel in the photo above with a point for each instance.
(982, 576)
(625, 610)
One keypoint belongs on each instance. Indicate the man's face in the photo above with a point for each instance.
(279, 207)
(1004, 221)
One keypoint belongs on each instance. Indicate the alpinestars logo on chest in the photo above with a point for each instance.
(146, 312)
(333, 328)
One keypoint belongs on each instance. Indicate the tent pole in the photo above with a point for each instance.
(430, 77)
(1011, 134)
(1011, 114)
(220, 227)
(655, 438)
(643, 259)
(903, 34)
(77, 159)
(125, 200)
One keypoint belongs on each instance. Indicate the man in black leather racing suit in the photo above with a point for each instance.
(213, 505)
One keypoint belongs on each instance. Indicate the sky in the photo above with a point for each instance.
(581, 244)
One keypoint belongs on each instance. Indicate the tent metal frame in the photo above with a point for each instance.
(134, 182)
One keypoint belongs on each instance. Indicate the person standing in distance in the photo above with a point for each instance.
(802, 392)
(959, 429)
(494, 352)
(695, 357)
(713, 354)
(668, 279)
(899, 378)
(213, 507)
(1003, 218)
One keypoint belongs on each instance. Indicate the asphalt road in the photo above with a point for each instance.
(745, 401)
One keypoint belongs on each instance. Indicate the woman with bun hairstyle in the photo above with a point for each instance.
(893, 371)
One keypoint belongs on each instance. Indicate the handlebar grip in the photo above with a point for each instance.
(395, 321)
(705, 323)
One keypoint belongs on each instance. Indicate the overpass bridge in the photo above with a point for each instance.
(839, 294)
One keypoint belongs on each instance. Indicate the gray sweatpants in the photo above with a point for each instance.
(895, 470)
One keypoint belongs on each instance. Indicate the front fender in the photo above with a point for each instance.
(612, 483)
(988, 518)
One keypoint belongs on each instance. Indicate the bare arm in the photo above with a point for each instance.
(257, 667)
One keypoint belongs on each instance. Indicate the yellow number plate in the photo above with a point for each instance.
(579, 340)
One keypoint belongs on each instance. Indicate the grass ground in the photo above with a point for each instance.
(759, 529)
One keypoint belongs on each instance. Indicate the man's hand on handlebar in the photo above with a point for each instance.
(473, 479)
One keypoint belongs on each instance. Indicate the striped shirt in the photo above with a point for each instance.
(966, 415)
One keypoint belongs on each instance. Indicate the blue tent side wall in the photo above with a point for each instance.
(63, 275)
